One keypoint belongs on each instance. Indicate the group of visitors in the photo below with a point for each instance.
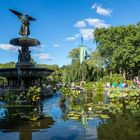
(135, 84)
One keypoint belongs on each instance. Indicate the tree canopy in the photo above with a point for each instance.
(120, 48)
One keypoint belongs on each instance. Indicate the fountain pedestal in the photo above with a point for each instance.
(25, 74)
(24, 57)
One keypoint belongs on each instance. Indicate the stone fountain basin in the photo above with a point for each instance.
(24, 41)
(25, 72)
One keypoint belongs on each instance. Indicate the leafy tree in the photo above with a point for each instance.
(120, 48)
(55, 77)
(90, 70)
(74, 54)
(72, 72)
(95, 66)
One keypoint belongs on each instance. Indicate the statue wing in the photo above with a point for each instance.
(17, 13)
(31, 18)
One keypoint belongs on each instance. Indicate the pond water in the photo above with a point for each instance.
(57, 126)
(54, 127)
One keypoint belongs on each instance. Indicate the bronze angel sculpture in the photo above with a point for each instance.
(25, 20)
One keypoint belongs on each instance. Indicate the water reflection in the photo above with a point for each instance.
(124, 126)
(119, 117)
(25, 128)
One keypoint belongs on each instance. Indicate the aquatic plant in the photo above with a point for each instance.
(24, 105)
(68, 92)
(34, 94)
(120, 127)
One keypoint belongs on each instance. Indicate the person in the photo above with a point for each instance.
(138, 84)
(113, 84)
(72, 85)
(108, 85)
(120, 85)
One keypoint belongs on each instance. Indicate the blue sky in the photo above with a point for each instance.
(60, 24)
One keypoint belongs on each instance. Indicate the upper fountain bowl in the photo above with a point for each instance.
(24, 42)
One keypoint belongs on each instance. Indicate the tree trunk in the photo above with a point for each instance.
(124, 74)
(111, 73)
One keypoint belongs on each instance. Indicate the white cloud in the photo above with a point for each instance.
(101, 11)
(80, 24)
(104, 12)
(43, 56)
(85, 26)
(56, 45)
(74, 37)
(77, 35)
(8, 47)
(94, 6)
(87, 33)
(70, 38)
(97, 22)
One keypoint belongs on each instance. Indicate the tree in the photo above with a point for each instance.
(74, 54)
(55, 77)
(90, 70)
(95, 66)
(120, 48)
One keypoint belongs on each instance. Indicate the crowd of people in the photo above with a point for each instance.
(134, 84)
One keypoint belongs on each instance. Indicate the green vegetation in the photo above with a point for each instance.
(117, 52)
(120, 48)
(2, 80)
(29, 97)
(90, 70)
(115, 60)
(8, 65)
(24, 105)
(120, 127)
(119, 109)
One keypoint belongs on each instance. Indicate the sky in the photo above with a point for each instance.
(60, 25)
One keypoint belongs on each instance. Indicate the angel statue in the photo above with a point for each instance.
(25, 20)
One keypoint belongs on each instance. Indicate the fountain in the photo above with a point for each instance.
(25, 74)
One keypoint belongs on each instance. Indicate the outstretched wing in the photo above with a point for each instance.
(31, 18)
(17, 13)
